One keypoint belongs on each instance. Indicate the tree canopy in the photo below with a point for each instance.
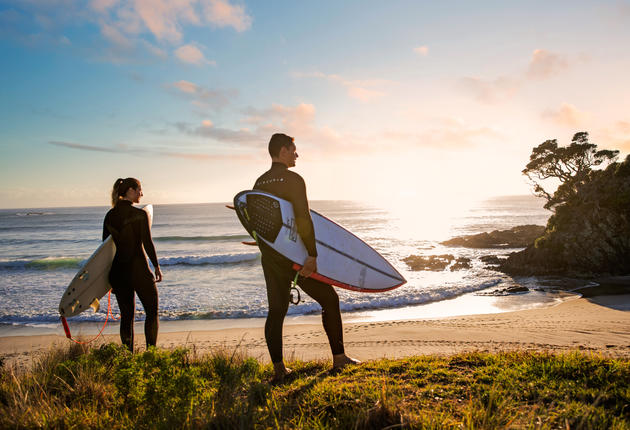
(572, 165)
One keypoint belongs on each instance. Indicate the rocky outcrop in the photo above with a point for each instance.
(515, 289)
(516, 237)
(436, 263)
(588, 236)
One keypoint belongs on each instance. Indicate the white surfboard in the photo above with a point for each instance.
(343, 259)
(92, 281)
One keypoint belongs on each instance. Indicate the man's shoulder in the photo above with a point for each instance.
(291, 175)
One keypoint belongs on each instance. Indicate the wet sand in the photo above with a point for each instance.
(597, 324)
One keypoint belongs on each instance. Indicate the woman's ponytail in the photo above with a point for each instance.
(121, 186)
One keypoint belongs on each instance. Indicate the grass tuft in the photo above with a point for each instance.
(108, 387)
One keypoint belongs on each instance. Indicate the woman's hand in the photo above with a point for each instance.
(158, 274)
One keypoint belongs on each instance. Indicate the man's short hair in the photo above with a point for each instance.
(278, 141)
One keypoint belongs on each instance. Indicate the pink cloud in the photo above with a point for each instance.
(421, 50)
(567, 115)
(545, 64)
(363, 90)
(223, 14)
(364, 94)
(204, 98)
(192, 55)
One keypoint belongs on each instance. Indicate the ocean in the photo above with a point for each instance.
(210, 275)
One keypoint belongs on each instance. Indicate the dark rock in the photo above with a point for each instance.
(437, 263)
(461, 263)
(515, 289)
(492, 261)
(432, 262)
(516, 237)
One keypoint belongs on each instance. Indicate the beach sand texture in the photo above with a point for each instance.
(600, 325)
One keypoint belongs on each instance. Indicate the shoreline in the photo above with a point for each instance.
(471, 303)
(598, 324)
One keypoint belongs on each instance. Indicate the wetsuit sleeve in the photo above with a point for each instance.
(303, 217)
(105, 229)
(147, 242)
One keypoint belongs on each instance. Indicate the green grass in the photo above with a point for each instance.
(107, 387)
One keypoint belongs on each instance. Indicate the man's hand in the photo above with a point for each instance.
(158, 274)
(310, 266)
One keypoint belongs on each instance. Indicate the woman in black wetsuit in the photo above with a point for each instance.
(130, 273)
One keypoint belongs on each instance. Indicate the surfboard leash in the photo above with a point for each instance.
(66, 327)
(294, 287)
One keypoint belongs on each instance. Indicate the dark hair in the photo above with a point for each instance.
(121, 186)
(277, 142)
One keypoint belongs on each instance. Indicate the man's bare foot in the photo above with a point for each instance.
(280, 372)
(342, 360)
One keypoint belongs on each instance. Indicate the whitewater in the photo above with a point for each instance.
(210, 274)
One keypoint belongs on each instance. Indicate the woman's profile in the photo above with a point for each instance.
(130, 273)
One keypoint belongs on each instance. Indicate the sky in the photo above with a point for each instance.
(401, 101)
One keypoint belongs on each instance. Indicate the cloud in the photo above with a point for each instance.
(148, 151)
(623, 126)
(259, 124)
(616, 136)
(294, 119)
(83, 147)
(362, 90)
(242, 137)
(489, 91)
(192, 55)
(364, 94)
(103, 5)
(567, 115)
(545, 64)
(126, 25)
(204, 98)
(222, 14)
(421, 50)
(445, 133)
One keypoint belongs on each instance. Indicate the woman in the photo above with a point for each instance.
(130, 273)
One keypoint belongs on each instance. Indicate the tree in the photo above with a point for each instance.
(571, 165)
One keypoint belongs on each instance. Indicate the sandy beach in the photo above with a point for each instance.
(599, 324)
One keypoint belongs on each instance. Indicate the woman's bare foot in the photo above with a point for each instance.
(342, 360)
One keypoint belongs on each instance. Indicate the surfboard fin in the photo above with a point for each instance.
(95, 305)
(74, 305)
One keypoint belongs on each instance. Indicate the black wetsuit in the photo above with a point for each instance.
(279, 274)
(129, 226)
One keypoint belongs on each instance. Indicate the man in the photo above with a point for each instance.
(278, 270)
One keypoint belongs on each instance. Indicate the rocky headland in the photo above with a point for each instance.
(588, 236)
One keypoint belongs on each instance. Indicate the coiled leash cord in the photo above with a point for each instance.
(294, 287)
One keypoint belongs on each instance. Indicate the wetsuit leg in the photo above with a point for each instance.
(127, 305)
(278, 280)
(148, 295)
(328, 299)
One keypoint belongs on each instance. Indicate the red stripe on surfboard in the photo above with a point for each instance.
(343, 285)
(404, 281)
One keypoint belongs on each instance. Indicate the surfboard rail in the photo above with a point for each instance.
(351, 253)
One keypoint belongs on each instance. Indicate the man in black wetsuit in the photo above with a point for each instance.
(278, 270)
